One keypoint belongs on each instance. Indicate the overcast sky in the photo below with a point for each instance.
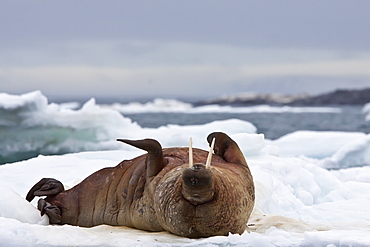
(184, 48)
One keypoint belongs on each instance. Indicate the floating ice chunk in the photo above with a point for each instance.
(353, 154)
(158, 105)
(70, 105)
(25, 102)
(366, 110)
(314, 144)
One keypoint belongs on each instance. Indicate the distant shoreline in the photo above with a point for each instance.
(337, 97)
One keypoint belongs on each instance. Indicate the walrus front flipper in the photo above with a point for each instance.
(45, 187)
(53, 212)
(227, 148)
(154, 160)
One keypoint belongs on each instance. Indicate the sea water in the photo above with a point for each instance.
(272, 124)
(30, 125)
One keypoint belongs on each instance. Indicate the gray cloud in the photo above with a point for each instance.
(282, 24)
(204, 47)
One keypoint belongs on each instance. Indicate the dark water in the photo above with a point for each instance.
(273, 125)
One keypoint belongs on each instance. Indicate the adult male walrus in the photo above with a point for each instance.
(166, 189)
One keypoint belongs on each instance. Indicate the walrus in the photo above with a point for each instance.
(169, 189)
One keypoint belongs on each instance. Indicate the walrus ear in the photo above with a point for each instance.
(227, 148)
(154, 160)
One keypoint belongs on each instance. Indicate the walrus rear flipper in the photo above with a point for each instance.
(45, 187)
(227, 148)
(154, 160)
(53, 212)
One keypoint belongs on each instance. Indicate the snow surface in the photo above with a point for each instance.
(298, 201)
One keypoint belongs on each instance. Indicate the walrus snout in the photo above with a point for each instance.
(198, 184)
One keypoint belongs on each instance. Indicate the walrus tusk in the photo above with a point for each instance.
(209, 158)
(191, 153)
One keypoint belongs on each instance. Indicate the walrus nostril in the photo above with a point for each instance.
(193, 181)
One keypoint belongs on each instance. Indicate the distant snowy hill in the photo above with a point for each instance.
(338, 97)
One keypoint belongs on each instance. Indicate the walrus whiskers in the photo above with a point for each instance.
(209, 158)
(191, 153)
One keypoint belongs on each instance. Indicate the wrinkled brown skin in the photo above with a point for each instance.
(123, 196)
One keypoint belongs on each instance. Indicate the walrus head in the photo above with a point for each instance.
(207, 199)
(197, 180)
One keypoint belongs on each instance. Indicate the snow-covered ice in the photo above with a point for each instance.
(314, 144)
(298, 201)
(333, 150)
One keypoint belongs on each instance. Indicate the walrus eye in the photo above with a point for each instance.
(209, 158)
(191, 153)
